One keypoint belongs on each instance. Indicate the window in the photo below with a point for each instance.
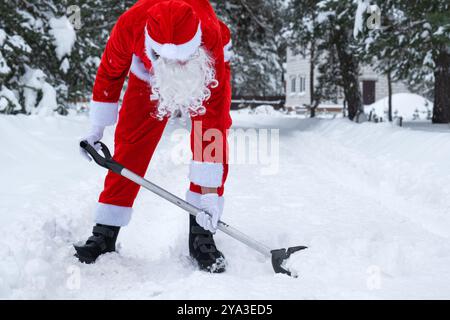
(302, 80)
(293, 84)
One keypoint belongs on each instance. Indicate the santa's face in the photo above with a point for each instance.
(182, 86)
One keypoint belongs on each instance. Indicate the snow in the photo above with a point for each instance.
(64, 36)
(48, 103)
(65, 65)
(407, 105)
(3, 37)
(359, 17)
(371, 201)
(8, 97)
(4, 68)
(35, 81)
(18, 42)
(262, 109)
(440, 31)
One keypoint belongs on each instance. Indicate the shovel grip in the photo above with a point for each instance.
(106, 161)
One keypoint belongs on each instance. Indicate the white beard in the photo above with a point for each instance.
(182, 86)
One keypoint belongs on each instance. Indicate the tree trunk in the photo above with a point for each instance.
(441, 111)
(311, 79)
(349, 69)
(389, 81)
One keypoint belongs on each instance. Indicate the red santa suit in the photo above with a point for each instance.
(141, 32)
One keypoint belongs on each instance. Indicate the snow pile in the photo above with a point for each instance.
(264, 110)
(406, 105)
(34, 80)
(36, 87)
(370, 201)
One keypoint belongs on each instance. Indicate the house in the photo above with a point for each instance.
(374, 86)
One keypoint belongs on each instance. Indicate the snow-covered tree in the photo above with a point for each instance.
(97, 18)
(259, 44)
(29, 56)
(302, 39)
(413, 44)
(327, 27)
(14, 55)
(39, 40)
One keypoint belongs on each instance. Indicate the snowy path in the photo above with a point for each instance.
(372, 202)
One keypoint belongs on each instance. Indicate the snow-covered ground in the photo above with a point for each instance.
(371, 201)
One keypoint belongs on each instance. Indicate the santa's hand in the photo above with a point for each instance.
(210, 204)
(94, 135)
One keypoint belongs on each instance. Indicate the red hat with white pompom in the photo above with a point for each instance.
(173, 31)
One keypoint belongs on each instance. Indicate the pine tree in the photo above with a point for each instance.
(14, 55)
(30, 54)
(98, 17)
(302, 24)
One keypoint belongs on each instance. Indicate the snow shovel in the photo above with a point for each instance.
(278, 256)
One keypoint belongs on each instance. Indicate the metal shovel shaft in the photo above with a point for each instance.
(278, 256)
(222, 226)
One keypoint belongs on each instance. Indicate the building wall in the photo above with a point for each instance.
(297, 67)
(381, 84)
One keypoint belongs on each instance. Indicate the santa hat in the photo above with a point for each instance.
(173, 30)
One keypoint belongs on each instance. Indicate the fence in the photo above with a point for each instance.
(239, 102)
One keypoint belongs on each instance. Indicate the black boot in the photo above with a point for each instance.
(102, 241)
(202, 249)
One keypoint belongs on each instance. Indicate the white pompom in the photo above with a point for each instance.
(169, 51)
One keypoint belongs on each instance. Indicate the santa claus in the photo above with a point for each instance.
(176, 55)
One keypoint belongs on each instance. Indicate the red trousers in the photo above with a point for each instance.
(136, 138)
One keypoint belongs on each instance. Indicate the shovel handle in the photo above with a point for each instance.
(106, 161)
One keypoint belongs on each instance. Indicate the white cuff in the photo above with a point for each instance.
(103, 113)
(206, 174)
(112, 215)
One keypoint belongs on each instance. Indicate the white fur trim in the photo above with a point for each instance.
(206, 174)
(228, 51)
(173, 51)
(112, 215)
(103, 113)
(139, 70)
(194, 199)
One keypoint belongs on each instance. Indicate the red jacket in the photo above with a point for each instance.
(126, 49)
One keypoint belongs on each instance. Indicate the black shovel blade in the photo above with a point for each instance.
(280, 255)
